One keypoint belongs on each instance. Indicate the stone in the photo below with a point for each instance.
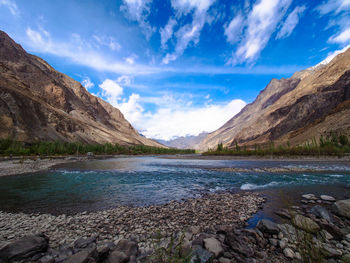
(309, 196)
(103, 250)
(282, 244)
(330, 252)
(128, 247)
(288, 253)
(200, 255)
(343, 208)
(84, 256)
(199, 241)
(321, 212)
(283, 213)
(224, 260)
(326, 235)
(288, 231)
(267, 226)
(117, 257)
(84, 242)
(24, 248)
(347, 237)
(214, 246)
(273, 242)
(333, 230)
(305, 223)
(47, 259)
(297, 256)
(327, 198)
(239, 244)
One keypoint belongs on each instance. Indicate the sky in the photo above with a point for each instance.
(178, 67)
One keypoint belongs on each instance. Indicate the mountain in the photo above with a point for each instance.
(39, 103)
(185, 142)
(311, 103)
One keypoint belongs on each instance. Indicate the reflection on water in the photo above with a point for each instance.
(99, 184)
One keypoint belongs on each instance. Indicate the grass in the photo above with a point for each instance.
(331, 145)
(12, 147)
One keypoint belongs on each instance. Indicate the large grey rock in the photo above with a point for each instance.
(84, 242)
(309, 196)
(305, 223)
(130, 248)
(321, 212)
(288, 253)
(24, 248)
(85, 256)
(327, 198)
(117, 257)
(214, 246)
(330, 252)
(343, 208)
(201, 255)
(267, 226)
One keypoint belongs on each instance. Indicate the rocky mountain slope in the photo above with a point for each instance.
(185, 142)
(311, 103)
(39, 103)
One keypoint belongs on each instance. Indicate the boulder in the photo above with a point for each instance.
(214, 246)
(327, 198)
(267, 226)
(200, 255)
(84, 242)
(24, 248)
(305, 223)
(333, 230)
(330, 252)
(343, 208)
(321, 212)
(130, 248)
(84, 256)
(117, 257)
(309, 196)
(288, 253)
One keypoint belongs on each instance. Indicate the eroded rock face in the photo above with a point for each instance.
(39, 103)
(312, 102)
(24, 248)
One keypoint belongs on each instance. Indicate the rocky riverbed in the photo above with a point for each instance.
(203, 230)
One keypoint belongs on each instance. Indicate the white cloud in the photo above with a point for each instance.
(234, 29)
(124, 80)
(112, 91)
(166, 33)
(262, 21)
(291, 22)
(343, 37)
(138, 10)
(110, 42)
(332, 55)
(81, 53)
(173, 121)
(131, 59)
(11, 5)
(188, 33)
(333, 6)
(173, 117)
(87, 83)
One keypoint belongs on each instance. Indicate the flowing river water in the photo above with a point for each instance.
(101, 184)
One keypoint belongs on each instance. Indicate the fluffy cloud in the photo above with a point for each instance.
(167, 32)
(343, 37)
(11, 5)
(336, 6)
(188, 33)
(234, 28)
(262, 21)
(339, 11)
(138, 10)
(173, 117)
(87, 83)
(174, 120)
(291, 22)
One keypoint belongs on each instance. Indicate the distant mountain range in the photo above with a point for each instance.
(311, 103)
(39, 103)
(185, 142)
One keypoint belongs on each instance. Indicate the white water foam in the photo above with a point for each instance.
(255, 186)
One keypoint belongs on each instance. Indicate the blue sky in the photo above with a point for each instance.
(178, 67)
